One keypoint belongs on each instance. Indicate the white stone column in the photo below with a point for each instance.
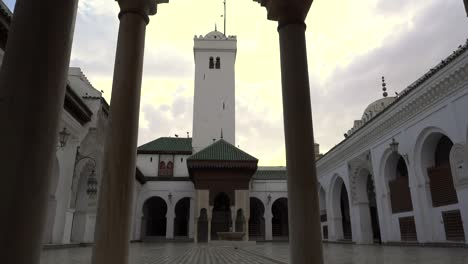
(61, 230)
(335, 228)
(209, 229)
(112, 234)
(462, 194)
(362, 226)
(233, 218)
(170, 223)
(268, 225)
(32, 89)
(246, 228)
(385, 216)
(192, 219)
(210, 216)
(422, 208)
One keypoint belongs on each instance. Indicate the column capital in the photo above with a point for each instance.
(286, 12)
(145, 8)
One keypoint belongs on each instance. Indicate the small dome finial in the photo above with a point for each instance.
(384, 87)
(216, 27)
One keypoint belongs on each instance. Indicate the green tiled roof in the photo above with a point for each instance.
(269, 174)
(168, 145)
(222, 151)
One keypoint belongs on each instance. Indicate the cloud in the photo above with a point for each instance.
(350, 46)
(406, 55)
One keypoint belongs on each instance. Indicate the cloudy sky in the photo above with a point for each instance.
(350, 45)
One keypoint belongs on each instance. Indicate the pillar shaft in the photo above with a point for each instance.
(304, 214)
(32, 88)
(115, 203)
(268, 226)
(170, 225)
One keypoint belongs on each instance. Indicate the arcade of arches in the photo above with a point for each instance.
(358, 211)
(365, 204)
(363, 208)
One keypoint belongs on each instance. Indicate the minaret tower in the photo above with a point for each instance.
(214, 100)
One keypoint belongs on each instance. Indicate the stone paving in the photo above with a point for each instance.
(264, 253)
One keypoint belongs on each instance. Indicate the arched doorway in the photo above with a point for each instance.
(182, 217)
(257, 220)
(323, 212)
(396, 174)
(221, 220)
(154, 217)
(345, 213)
(279, 222)
(340, 218)
(202, 226)
(435, 159)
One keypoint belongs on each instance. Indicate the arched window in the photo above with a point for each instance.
(162, 169)
(401, 170)
(400, 195)
(442, 152)
(440, 176)
(170, 168)
(218, 63)
(211, 63)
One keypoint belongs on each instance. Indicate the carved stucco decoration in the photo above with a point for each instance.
(459, 165)
(355, 167)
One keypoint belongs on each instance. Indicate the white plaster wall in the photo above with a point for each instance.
(213, 87)
(148, 164)
(180, 166)
(61, 216)
(448, 117)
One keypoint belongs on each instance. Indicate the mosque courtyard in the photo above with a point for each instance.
(264, 253)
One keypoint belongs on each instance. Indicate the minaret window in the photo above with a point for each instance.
(211, 63)
(218, 63)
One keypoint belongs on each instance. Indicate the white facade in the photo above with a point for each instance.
(148, 164)
(214, 100)
(71, 211)
(433, 107)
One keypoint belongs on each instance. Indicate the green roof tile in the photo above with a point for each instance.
(167, 145)
(222, 151)
(269, 174)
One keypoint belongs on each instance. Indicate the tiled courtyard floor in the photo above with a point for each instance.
(264, 253)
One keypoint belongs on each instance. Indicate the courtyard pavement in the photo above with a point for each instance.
(264, 253)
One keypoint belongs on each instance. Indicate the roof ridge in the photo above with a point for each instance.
(207, 154)
(163, 145)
